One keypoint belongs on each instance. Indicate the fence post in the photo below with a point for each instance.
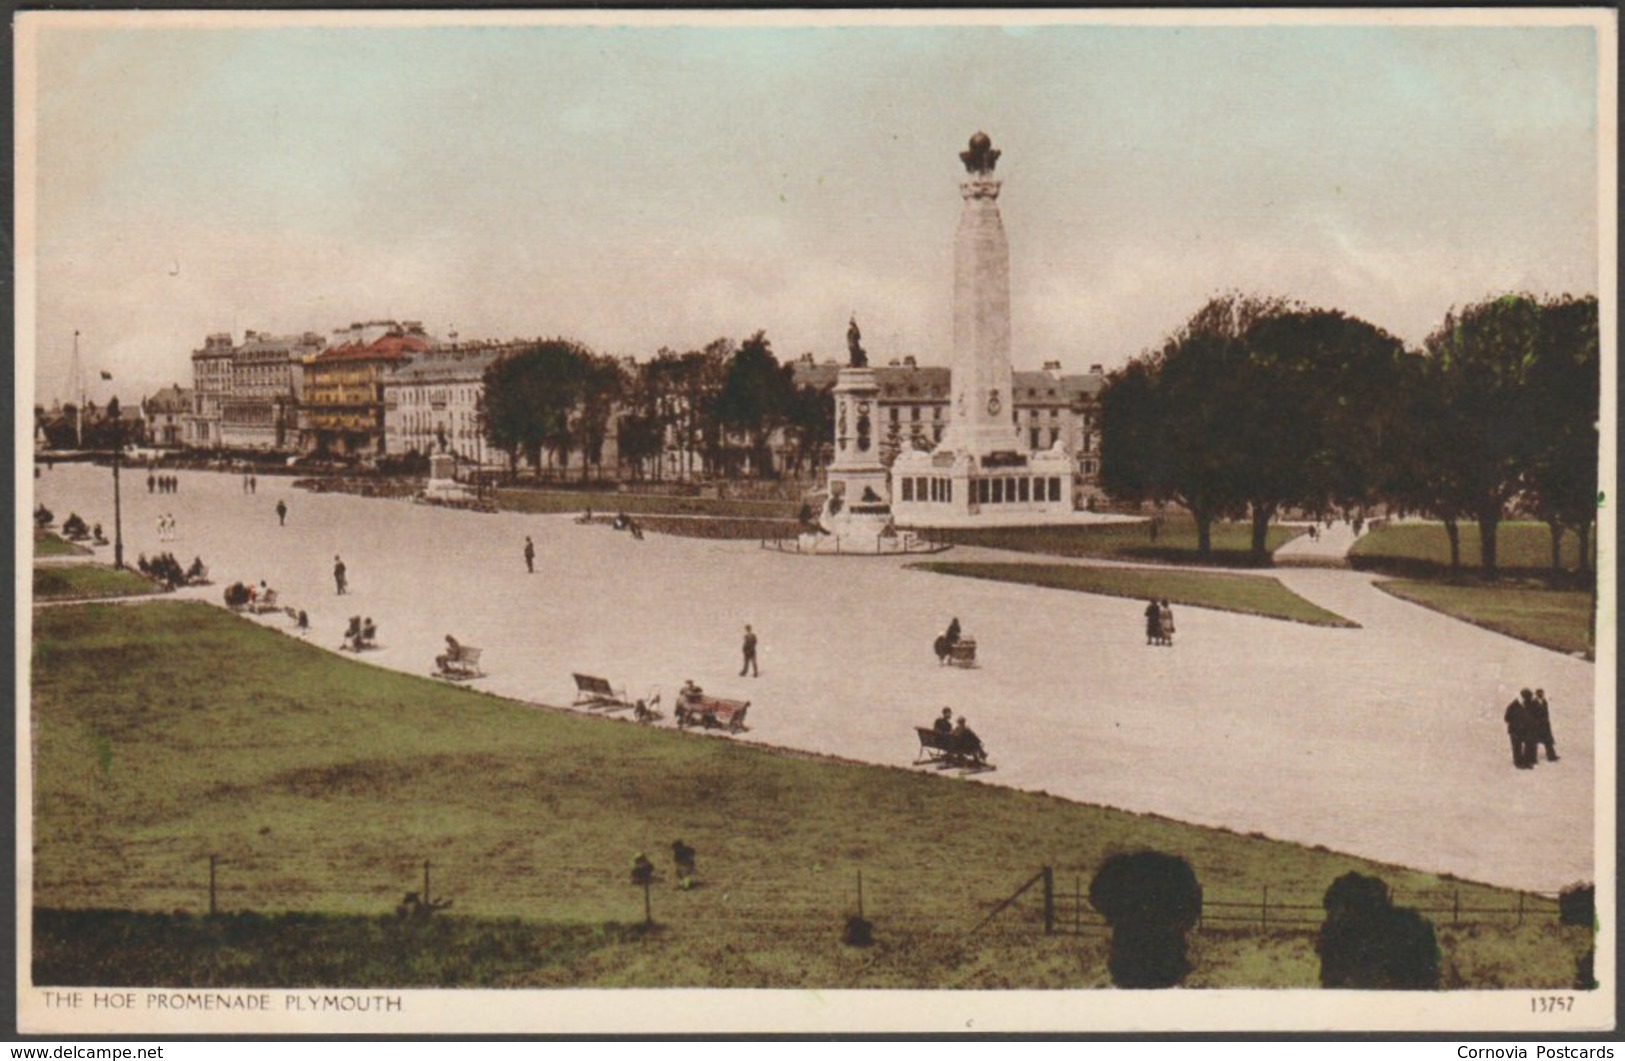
(1264, 909)
(1049, 901)
(648, 912)
(212, 907)
(425, 882)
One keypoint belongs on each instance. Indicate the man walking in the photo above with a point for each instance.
(281, 513)
(530, 555)
(1540, 729)
(750, 655)
(338, 576)
(1518, 723)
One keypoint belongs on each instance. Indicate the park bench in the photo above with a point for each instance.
(711, 712)
(943, 750)
(598, 693)
(459, 665)
(265, 602)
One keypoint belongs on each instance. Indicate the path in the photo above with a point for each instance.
(1384, 741)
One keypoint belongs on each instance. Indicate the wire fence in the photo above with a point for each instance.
(1062, 911)
(758, 901)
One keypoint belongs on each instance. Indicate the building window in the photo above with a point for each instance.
(893, 414)
(1054, 435)
(914, 413)
(998, 491)
(1055, 488)
(983, 491)
(908, 488)
(1033, 434)
(1023, 488)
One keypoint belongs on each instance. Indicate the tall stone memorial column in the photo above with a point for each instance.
(981, 421)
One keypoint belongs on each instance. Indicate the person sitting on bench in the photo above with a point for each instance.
(352, 633)
(454, 651)
(369, 632)
(944, 725)
(967, 743)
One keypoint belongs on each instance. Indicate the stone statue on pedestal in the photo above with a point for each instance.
(854, 345)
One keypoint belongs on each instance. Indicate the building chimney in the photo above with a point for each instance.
(1096, 370)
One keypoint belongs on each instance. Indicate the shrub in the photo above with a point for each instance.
(1151, 900)
(1369, 943)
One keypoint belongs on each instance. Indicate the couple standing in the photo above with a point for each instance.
(1159, 622)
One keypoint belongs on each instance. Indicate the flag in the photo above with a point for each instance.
(106, 374)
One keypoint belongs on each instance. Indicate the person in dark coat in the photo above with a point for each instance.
(952, 636)
(683, 857)
(1540, 730)
(530, 555)
(338, 576)
(944, 725)
(1518, 730)
(281, 513)
(1153, 623)
(749, 650)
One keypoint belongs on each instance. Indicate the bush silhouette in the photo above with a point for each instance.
(1151, 900)
(1369, 943)
(1577, 905)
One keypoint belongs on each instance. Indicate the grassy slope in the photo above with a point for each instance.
(86, 580)
(49, 545)
(1518, 546)
(1248, 594)
(324, 784)
(1557, 619)
(1176, 540)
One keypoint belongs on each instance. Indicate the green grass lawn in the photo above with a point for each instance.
(1519, 546)
(1555, 618)
(83, 581)
(48, 545)
(1248, 594)
(1176, 540)
(174, 731)
(602, 502)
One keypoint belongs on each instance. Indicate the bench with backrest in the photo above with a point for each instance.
(592, 691)
(460, 664)
(944, 750)
(712, 712)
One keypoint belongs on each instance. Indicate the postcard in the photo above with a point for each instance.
(605, 522)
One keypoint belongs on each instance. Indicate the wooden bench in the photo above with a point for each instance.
(459, 665)
(711, 712)
(264, 602)
(596, 692)
(943, 749)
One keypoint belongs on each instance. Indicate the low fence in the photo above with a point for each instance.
(1061, 911)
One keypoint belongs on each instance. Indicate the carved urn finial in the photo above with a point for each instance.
(982, 156)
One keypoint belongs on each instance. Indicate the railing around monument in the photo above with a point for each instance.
(904, 543)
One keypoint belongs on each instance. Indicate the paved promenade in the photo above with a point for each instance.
(1384, 741)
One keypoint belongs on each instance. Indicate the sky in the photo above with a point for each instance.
(638, 187)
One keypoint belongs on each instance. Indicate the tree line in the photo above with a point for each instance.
(717, 409)
(1256, 406)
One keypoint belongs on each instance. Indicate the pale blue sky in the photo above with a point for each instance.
(639, 187)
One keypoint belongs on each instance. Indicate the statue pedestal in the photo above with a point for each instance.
(443, 485)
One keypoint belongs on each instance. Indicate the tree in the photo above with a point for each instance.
(755, 398)
(1562, 410)
(602, 386)
(1169, 420)
(530, 396)
(1483, 358)
(810, 424)
(1317, 386)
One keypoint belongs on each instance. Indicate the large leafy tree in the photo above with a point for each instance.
(1483, 358)
(755, 398)
(1562, 410)
(1317, 385)
(530, 397)
(1170, 419)
(603, 385)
